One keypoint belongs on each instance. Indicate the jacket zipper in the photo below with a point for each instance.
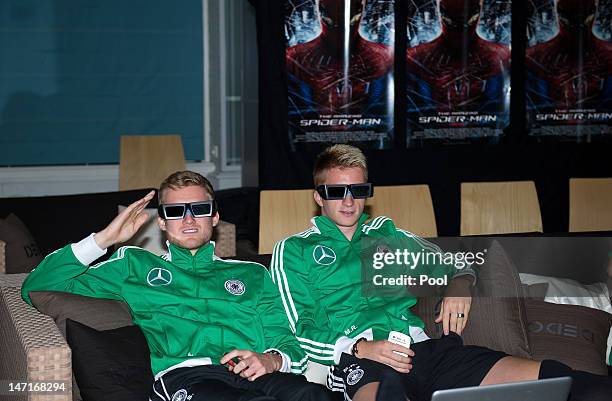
(193, 269)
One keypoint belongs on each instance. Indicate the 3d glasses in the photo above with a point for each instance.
(337, 192)
(176, 211)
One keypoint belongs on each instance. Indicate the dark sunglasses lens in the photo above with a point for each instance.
(361, 191)
(174, 211)
(336, 191)
(201, 209)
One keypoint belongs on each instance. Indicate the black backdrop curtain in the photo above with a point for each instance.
(443, 168)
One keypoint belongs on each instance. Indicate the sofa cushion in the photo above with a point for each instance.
(98, 313)
(571, 292)
(149, 236)
(498, 317)
(22, 253)
(535, 291)
(574, 335)
(110, 364)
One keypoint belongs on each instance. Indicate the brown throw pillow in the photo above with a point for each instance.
(22, 253)
(497, 318)
(574, 335)
(535, 291)
(97, 313)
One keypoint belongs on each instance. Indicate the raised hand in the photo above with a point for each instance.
(125, 225)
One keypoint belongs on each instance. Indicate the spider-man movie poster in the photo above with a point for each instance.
(457, 70)
(569, 64)
(339, 60)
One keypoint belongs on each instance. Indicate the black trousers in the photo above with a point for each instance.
(438, 364)
(216, 383)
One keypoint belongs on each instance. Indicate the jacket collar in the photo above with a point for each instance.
(327, 227)
(183, 258)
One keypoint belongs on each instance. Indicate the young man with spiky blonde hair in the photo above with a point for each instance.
(372, 342)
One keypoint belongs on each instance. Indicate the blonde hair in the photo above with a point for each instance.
(182, 179)
(338, 156)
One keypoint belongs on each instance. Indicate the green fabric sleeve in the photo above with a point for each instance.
(62, 271)
(276, 328)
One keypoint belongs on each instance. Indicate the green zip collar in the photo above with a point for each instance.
(183, 258)
(328, 227)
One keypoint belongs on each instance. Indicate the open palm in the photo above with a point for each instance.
(126, 224)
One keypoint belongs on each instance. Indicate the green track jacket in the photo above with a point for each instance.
(192, 309)
(319, 274)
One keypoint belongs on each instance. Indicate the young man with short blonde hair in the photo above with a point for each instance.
(374, 345)
(197, 311)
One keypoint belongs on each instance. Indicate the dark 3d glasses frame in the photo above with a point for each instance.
(176, 211)
(337, 192)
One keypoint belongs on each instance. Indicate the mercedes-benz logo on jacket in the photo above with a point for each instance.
(323, 255)
(159, 276)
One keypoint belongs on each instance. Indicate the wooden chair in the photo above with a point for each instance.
(499, 208)
(590, 204)
(283, 213)
(409, 206)
(145, 160)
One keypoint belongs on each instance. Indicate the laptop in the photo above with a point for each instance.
(556, 389)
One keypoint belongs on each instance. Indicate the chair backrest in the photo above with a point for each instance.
(145, 160)
(590, 204)
(499, 208)
(283, 213)
(409, 206)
